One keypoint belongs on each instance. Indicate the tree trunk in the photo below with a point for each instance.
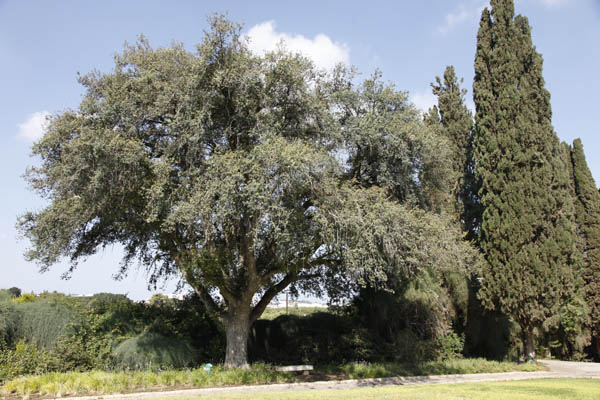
(237, 329)
(595, 348)
(528, 346)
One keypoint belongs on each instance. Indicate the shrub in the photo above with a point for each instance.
(45, 320)
(25, 298)
(10, 321)
(153, 351)
(25, 359)
(320, 337)
(450, 346)
(86, 347)
(14, 291)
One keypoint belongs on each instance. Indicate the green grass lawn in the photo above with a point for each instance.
(102, 382)
(541, 389)
(271, 313)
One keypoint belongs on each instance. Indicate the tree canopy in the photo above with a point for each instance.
(243, 175)
(454, 121)
(527, 231)
(587, 216)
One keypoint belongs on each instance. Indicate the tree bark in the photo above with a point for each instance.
(528, 345)
(237, 329)
(596, 348)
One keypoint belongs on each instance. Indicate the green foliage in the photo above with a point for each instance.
(99, 382)
(87, 346)
(82, 334)
(103, 382)
(572, 335)
(387, 144)
(317, 338)
(10, 320)
(587, 217)
(527, 232)
(451, 346)
(422, 308)
(114, 322)
(223, 167)
(396, 242)
(452, 120)
(26, 359)
(45, 320)
(14, 291)
(489, 333)
(153, 351)
(321, 338)
(39, 320)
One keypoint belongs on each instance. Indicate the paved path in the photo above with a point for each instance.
(557, 369)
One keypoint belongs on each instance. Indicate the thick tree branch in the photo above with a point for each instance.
(275, 290)
(203, 293)
(270, 294)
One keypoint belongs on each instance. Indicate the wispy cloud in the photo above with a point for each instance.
(463, 14)
(324, 52)
(33, 128)
(424, 100)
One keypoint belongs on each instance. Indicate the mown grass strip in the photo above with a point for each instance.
(448, 367)
(102, 382)
(540, 389)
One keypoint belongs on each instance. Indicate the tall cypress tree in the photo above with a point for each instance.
(526, 232)
(453, 120)
(587, 216)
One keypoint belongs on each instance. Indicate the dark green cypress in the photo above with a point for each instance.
(452, 119)
(587, 216)
(526, 232)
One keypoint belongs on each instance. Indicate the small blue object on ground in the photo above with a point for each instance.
(207, 368)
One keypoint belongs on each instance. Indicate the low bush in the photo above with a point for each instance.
(46, 319)
(14, 292)
(151, 351)
(320, 337)
(25, 298)
(10, 321)
(100, 382)
(86, 346)
(324, 337)
(26, 359)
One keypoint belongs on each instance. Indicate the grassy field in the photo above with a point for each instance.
(271, 313)
(448, 367)
(101, 382)
(541, 389)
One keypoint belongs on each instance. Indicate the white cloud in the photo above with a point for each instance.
(33, 128)
(324, 52)
(462, 15)
(424, 100)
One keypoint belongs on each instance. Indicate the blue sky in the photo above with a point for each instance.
(44, 44)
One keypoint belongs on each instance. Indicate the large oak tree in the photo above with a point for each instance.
(241, 174)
